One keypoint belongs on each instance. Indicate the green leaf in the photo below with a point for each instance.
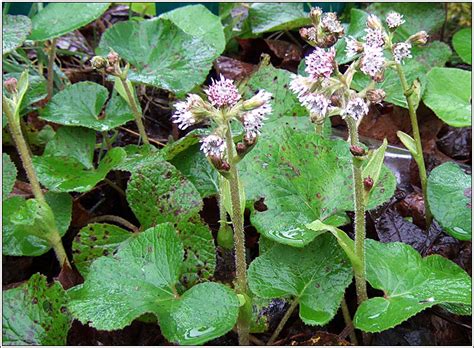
(302, 177)
(58, 19)
(458, 309)
(159, 193)
(410, 284)
(15, 30)
(35, 314)
(66, 174)
(266, 17)
(143, 8)
(24, 231)
(409, 143)
(9, 173)
(373, 167)
(205, 24)
(140, 278)
(81, 104)
(449, 195)
(163, 55)
(448, 94)
(462, 43)
(138, 156)
(316, 276)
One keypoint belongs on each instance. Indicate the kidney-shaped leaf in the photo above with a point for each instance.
(163, 55)
(265, 17)
(58, 19)
(35, 314)
(449, 195)
(410, 284)
(81, 104)
(302, 177)
(9, 173)
(141, 278)
(316, 275)
(448, 94)
(462, 43)
(15, 30)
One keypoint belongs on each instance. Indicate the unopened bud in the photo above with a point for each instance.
(373, 22)
(357, 150)
(10, 84)
(110, 69)
(249, 141)
(219, 163)
(420, 38)
(368, 183)
(330, 40)
(241, 148)
(304, 33)
(98, 62)
(315, 15)
(379, 76)
(225, 166)
(113, 57)
(375, 96)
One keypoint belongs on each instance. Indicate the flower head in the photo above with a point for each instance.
(300, 85)
(331, 24)
(373, 61)
(420, 38)
(223, 93)
(394, 20)
(373, 22)
(374, 37)
(253, 119)
(317, 104)
(376, 96)
(353, 47)
(213, 145)
(401, 51)
(356, 108)
(320, 63)
(187, 112)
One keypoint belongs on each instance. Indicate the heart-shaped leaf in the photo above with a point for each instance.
(316, 276)
(35, 314)
(24, 233)
(448, 94)
(15, 30)
(410, 284)
(449, 195)
(462, 43)
(58, 19)
(266, 17)
(9, 173)
(163, 55)
(302, 177)
(141, 278)
(81, 104)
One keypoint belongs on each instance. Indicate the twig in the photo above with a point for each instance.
(348, 320)
(138, 135)
(282, 322)
(117, 219)
(115, 186)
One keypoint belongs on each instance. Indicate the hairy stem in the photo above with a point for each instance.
(52, 57)
(283, 321)
(239, 238)
(117, 219)
(136, 113)
(419, 149)
(359, 204)
(348, 320)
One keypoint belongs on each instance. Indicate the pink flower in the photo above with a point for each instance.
(372, 61)
(184, 115)
(253, 119)
(374, 37)
(320, 63)
(401, 51)
(213, 145)
(394, 20)
(356, 108)
(223, 93)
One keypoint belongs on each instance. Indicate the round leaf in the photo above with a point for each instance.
(462, 43)
(9, 173)
(15, 31)
(266, 17)
(449, 196)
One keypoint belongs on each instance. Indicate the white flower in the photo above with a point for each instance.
(311, 32)
(223, 93)
(356, 108)
(374, 37)
(213, 145)
(300, 85)
(317, 104)
(331, 24)
(372, 61)
(353, 47)
(253, 119)
(394, 20)
(373, 22)
(401, 51)
(320, 63)
(183, 115)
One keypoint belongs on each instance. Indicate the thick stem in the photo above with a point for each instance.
(136, 113)
(359, 204)
(348, 320)
(239, 238)
(283, 321)
(58, 247)
(419, 149)
(52, 57)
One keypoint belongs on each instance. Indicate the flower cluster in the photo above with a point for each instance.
(320, 63)
(326, 29)
(224, 104)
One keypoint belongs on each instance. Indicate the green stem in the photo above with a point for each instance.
(348, 320)
(52, 57)
(416, 135)
(239, 238)
(318, 129)
(283, 321)
(136, 113)
(359, 204)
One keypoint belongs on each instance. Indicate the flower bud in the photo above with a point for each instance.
(379, 76)
(113, 57)
(10, 84)
(98, 62)
(375, 96)
(315, 15)
(373, 22)
(241, 148)
(420, 38)
(357, 151)
(368, 183)
(110, 70)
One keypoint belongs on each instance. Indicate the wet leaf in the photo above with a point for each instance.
(410, 284)
(266, 17)
(162, 54)
(462, 43)
(35, 314)
(302, 177)
(140, 278)
(57, 19)
(25, 232)
(81, 104)
(15, 30)
(159, 193)
(449, 195)
(448, 94)
(316, 276)
(138, 156)
(9, 173)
